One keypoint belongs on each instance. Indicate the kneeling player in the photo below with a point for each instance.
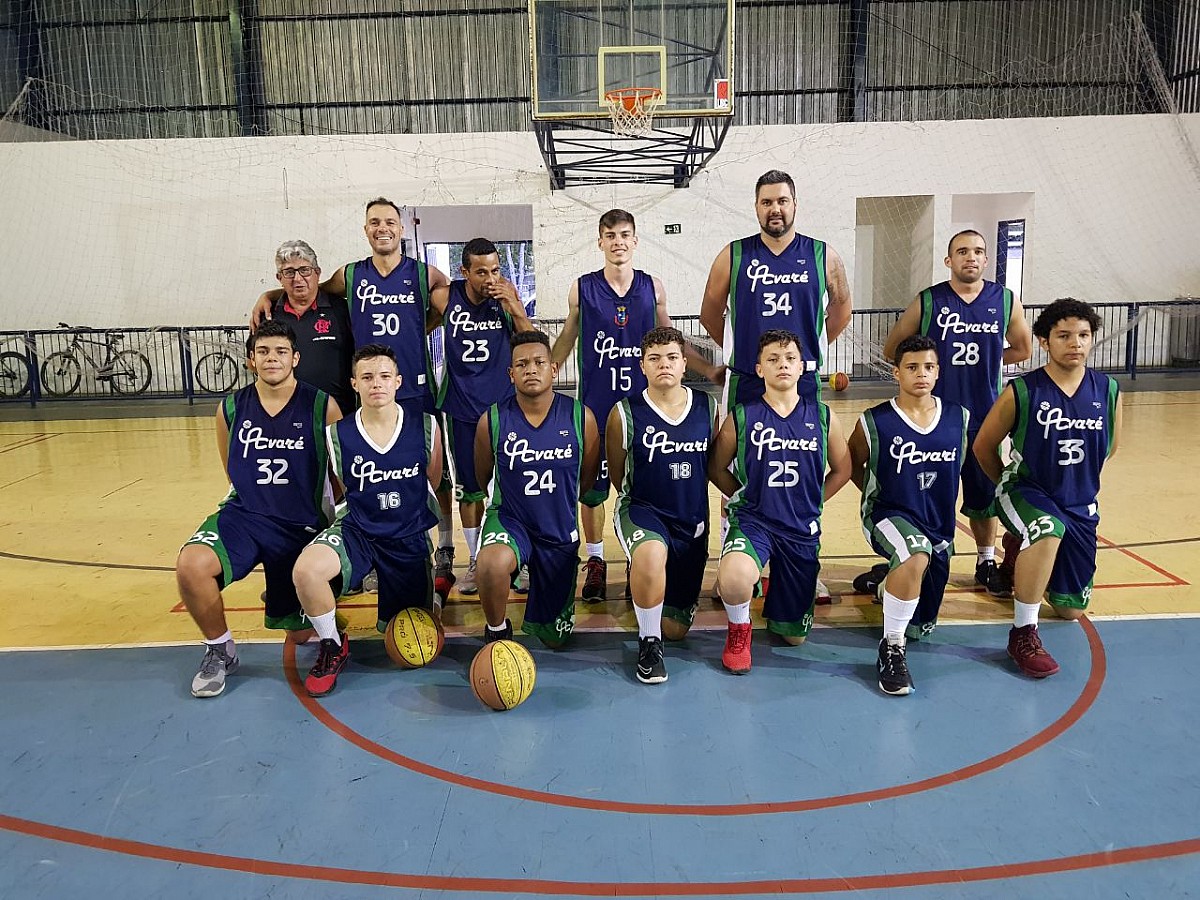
(780, 446)
(658, 442)
(388, 460)
(906, 457)
(271, 440)
(534, 451)
(1065, 421)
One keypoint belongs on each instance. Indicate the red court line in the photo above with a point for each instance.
(253, 866)
(1176, 581)
(1087, 697)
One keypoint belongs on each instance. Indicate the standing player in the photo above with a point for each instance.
(780, 446)
(1065, 421)
(480, 313)
(970, 319)
(608, 311)
(535, 451)
(658, 443)
(776, 279)
(906, 456)
(387, 458)
(269, 435)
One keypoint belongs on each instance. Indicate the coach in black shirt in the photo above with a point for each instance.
(321, 323)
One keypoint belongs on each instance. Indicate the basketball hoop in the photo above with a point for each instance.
(632, 110)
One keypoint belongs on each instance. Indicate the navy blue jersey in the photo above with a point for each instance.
(913, 472)
(391, 310)
(388, 495)
(277, 464)
(768, 291)
(477, 355)
(609, 351)
(666, 462)
(780, 464)
(535, 478)
(970, 344)
(1060, 443)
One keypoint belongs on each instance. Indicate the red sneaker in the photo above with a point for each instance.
(736, 657)
(1025, 647)
(322, 677)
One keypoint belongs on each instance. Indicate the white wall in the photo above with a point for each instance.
(183, 231)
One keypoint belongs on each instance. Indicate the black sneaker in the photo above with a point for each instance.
(1000, 584)
(595, 580)
(650, 668)
(985, 572)
(506, 635)
(892, 667)
(867, 582)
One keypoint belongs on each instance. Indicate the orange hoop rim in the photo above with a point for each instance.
(634, 98)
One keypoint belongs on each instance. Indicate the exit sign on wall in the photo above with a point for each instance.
(672, 229)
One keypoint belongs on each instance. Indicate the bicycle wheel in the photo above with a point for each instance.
(217, 372)
(14, 375)
(61, 373)
(130, 372)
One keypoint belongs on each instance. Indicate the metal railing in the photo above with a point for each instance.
(190, 362)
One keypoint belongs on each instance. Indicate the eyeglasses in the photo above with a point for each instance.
(303, 272)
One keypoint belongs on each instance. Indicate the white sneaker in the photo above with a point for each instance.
(467, 584)
(823, 595)
(218, 662)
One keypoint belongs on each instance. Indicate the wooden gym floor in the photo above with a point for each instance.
(797, 779)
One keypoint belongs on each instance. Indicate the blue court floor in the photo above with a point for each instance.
(798, 779)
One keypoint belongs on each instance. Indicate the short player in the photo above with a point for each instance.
(387, 459)
(978, 327)
(1064, 420)
(906, 456)
(535, 451)
(270, 436)
(658, 444)
(608, 311)
(480, 313)
(789, 456)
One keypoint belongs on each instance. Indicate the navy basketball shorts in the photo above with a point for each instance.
(788, 607)
(405, 575)
(687, 554)
(598, 492)
(241, 540)
(897, 540)
(978, 491)
(553, 569)
(1033, 515)
(458, 437)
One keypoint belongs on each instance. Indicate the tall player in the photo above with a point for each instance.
(1065, 422)
(270, 437)
(970, 319)
(906, 455)
(608, 311)
(387, 458)
(776, 279)
(536, 451)
(480, 312)
(658, 443)
(789, 456)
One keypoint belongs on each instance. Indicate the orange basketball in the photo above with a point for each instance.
(502, 675)
(413, 638)
(839, 381)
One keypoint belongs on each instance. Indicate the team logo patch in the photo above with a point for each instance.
(321, 326)
(621, 319)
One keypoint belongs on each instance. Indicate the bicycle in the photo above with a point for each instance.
(16, 376)
(219, 370)
(126, 371)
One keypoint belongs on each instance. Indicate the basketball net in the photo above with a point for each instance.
(632, 110)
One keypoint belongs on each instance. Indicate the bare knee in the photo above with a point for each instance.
(196, 565)
(794, 640)
(1068, 612)
(673, 630)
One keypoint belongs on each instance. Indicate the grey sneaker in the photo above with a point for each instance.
(521, 582)
(468, 584)
(218, 662)
(443, 562)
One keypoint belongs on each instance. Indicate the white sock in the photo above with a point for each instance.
(596, 549)
(983, 554)
(738, 613)
(897, 614)
(649, 621)
(472, 538)
(219, 641)
(497, 629)
(325, 626)
(445, 532)
(1025, 614)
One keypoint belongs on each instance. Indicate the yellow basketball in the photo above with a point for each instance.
(413, 638)
(502, 675)
(839, 381)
